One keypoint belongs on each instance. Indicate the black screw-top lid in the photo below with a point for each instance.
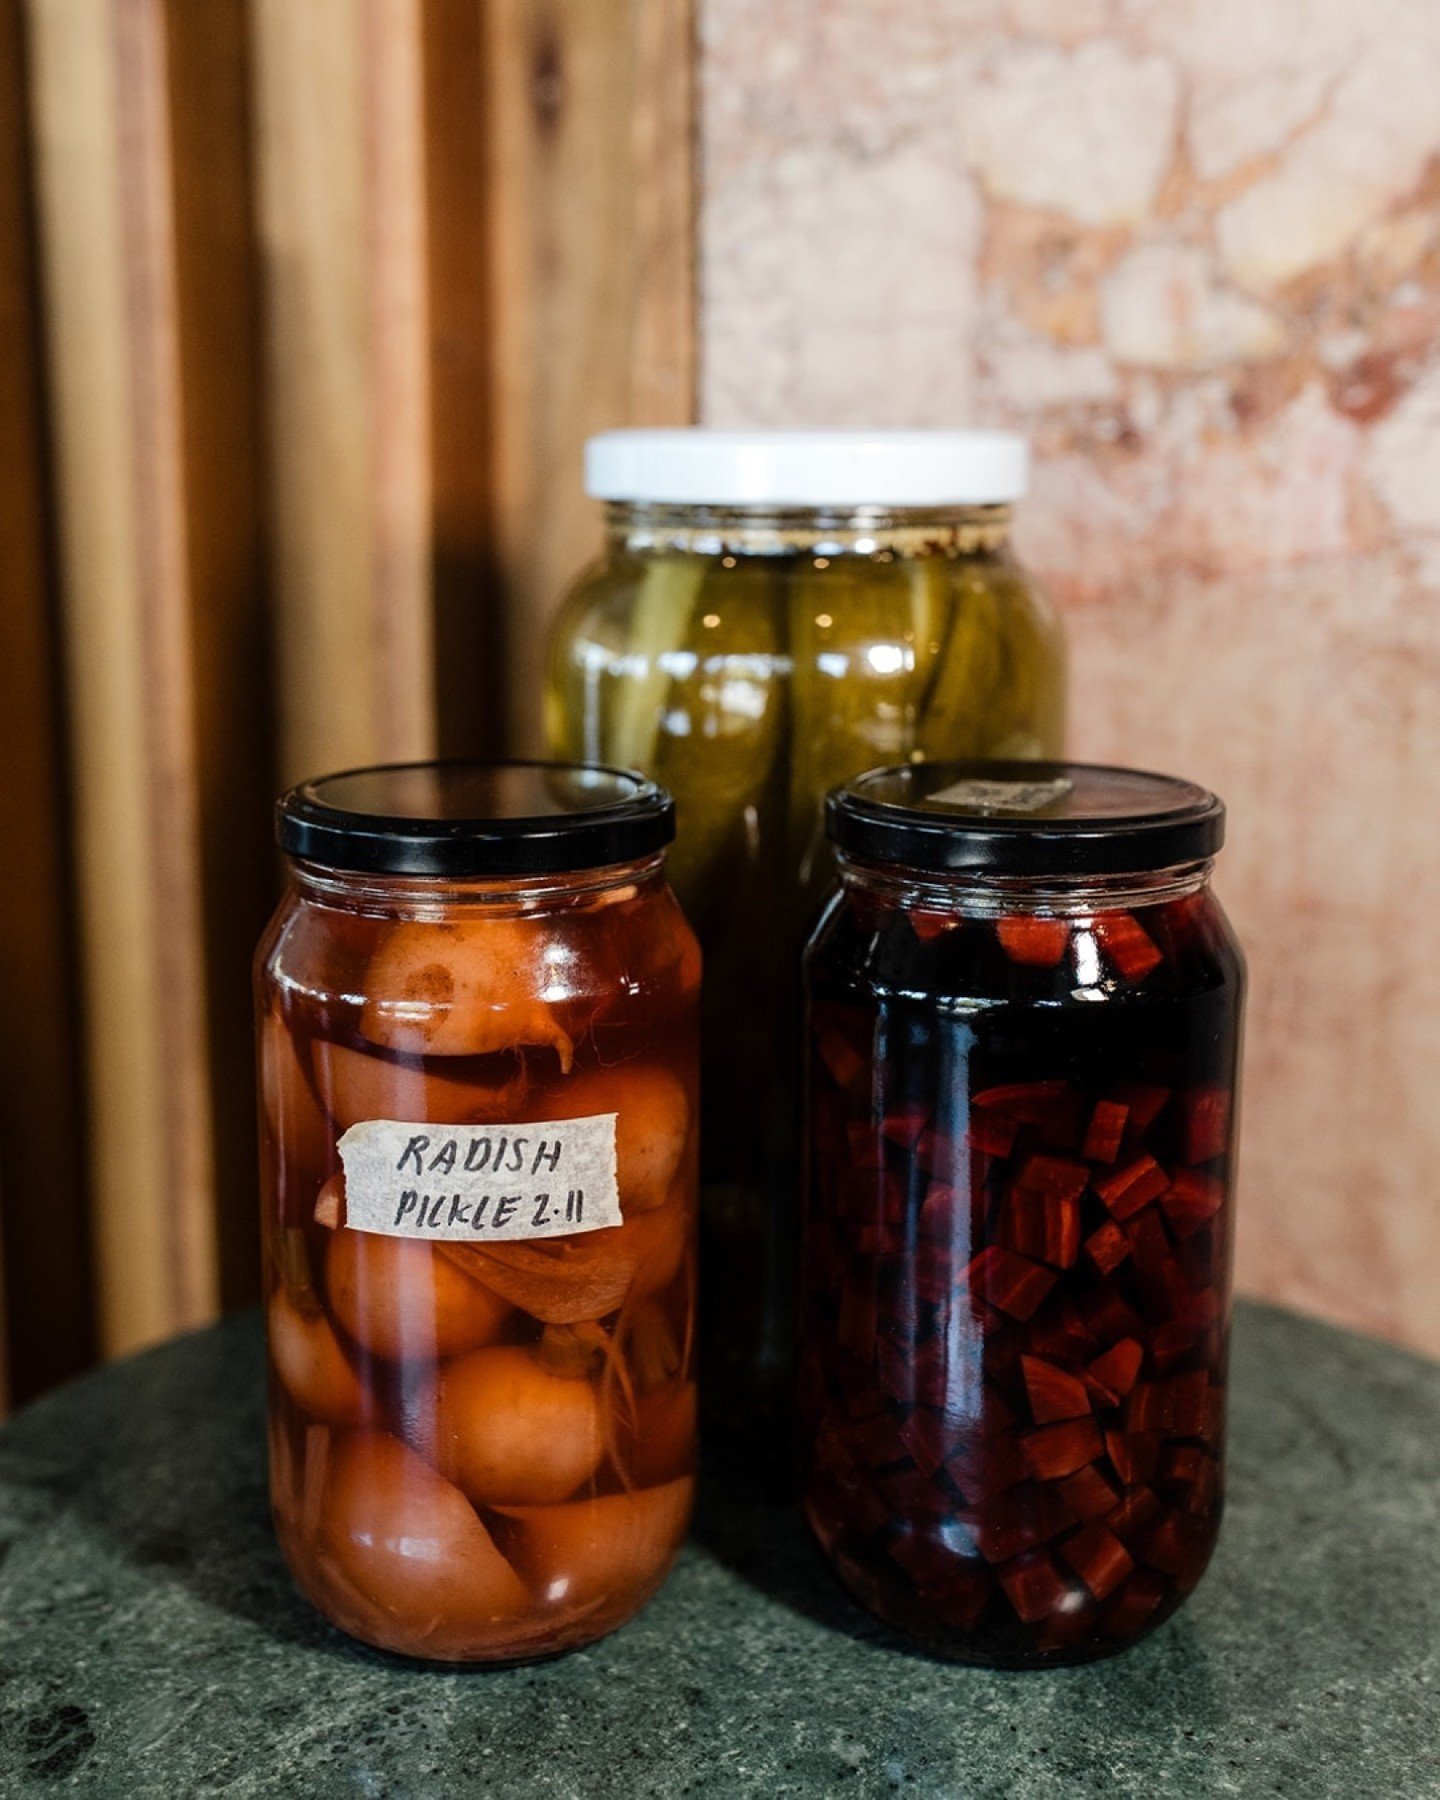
(464, 819)
(1024, 818)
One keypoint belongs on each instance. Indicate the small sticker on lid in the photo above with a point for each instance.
(492, 1183)
(1001, 796)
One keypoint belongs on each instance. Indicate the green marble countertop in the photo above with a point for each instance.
(151, 1644)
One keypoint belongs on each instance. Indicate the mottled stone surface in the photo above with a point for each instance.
(151, 1644)
(1192, 248)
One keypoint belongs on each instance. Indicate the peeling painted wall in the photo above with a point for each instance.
(1192, 248)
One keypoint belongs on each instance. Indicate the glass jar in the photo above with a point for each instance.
(478, 1040)
(774, 613)
(1024, 1009)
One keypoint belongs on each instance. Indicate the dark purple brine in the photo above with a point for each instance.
(1019, 1223)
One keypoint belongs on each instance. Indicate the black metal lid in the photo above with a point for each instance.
(1024, 818)
(475, 819)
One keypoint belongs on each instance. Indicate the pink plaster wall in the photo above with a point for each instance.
(1192, 248)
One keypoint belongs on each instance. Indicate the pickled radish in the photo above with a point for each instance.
(662, 1444)
(307, 1357)
(356, 1086)
(467, 989)
(603, 1549)
(296, 1133)
(402, 1300)
(509, 1430)
(410, 1543)
(651, 1126)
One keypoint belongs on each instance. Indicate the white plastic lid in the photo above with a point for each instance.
(696, 467)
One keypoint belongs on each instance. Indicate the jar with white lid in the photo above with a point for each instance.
(772, 614)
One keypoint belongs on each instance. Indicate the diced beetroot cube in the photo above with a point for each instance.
(955, 1592)
(1213, 1427)
(933, 1270)
(1087, 1493)
(1057, 1177)
(1133, 1605)
(936, 1154)
(1061, 1335)
(1127, 945)
(1033, 1585)
(910, 1496)
(877, 1442)
(865, 1149)
(987, 1468)
(1132, 1187)
(992, 1133)
(1142, 1100)
(904, 1125)
(1098, 1557)
(879, 1239)
(1038, 942)
(840, 1057)
(1138, 1509)
(1028, 1101)
(1178, 1546)
(1043, 1226)
(1189, 1474)
(1106, 1129)
(929, 1437)
(1056, 1450)
(1107, 1247)
(1107, 1313)
(1176, 1406)
(856, 1325)
(1205, 1123)
(1013, 1283)
(1054, 1393)
(1119, 1366)
(1069, 1629)
(928, 926)
(1151, 1248)
(1191, 1200)
(1133, 1454)
(1172, 1343)
(944, 1215)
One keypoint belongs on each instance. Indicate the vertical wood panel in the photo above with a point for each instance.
(592, 281)
(340, 199)
(99, 92)
(46, 1288)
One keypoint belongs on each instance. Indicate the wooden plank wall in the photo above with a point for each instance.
(308, 307)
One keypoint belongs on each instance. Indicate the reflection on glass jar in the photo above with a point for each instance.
(773, 614)
(1023, 1031)
(477, 1012)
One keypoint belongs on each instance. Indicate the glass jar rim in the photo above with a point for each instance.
(1024, 819)
(475, 819)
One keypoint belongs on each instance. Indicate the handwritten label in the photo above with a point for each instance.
(493, 1183)
(1001, 796)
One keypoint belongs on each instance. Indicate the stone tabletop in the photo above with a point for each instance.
(151, 1643)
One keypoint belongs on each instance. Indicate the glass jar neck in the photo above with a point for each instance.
(884, 533)
(427, 896)
(979, 894)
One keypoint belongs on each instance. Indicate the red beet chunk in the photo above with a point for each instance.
(1133, 1605)
(1107, 1314)
(1054, 1393)
(1057, 1177)
(1013, 1283)
(1205, 1123)
(929, 1437)
(1143, 1101)
(928, 926)
(877, 1441)
(1061, 1335)
(864, 1145)
(944, 1215)
(992, 1133)
(1119, 1366)
(1138, 1509)
(1087, 1493)
(1189, 1473)
(910, 1496)
(1132, 1187)
(1098, 1557)
(1107, 1247)
(904, 1125)
(857, 1323)
(1171, 1344)
(1039, 943)
(934, 1271)
(1066, 1630)
(880, 1239)
(1178, 1546)
(1191, 1200)
(1176, 1406)
(840, 1057)
(956, 1592)
(1105, 1130)
(1031, 1102)
(1133, 1454)
(1033, 1585)
(1043, 1226)
(987, 1468)
(1129, 948)
(1056, 1450)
